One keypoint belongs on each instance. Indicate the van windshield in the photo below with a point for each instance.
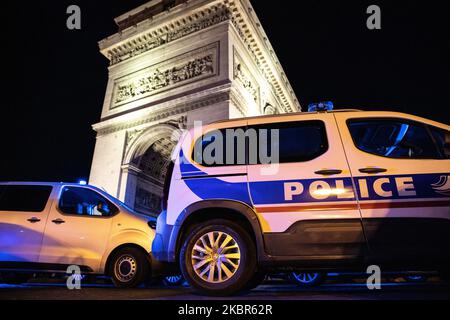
(134, 211)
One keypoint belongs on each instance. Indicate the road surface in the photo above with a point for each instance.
(268, 291)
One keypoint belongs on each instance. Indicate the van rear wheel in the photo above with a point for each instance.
(307, 279)
(218, 258)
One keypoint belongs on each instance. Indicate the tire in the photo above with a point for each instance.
(256, 280)
(128, 267)
(236, 269)
(307, 279)
(174, 280)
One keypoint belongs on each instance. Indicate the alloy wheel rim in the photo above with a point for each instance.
(126, 268)
(216, 257)
(305, 277)
(173, 279)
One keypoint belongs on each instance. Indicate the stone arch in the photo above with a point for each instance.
(145, 167)
(147, 138)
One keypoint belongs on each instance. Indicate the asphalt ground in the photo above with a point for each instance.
(335, 289)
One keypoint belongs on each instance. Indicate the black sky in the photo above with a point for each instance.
(54, 79)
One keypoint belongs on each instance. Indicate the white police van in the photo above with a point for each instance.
(345, 189)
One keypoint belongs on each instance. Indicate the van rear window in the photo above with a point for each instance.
(24, 198)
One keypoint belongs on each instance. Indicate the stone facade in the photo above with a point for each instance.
(173, 63)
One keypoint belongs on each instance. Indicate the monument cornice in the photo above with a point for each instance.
(163, 29)
(169, 26)
(121, 123)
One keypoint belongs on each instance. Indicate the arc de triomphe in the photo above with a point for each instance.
(174, 62)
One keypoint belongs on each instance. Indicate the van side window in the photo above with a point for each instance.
(85, 202)
(262, 144)
(225, 147)
(393, 138)
(24, 198)
(442, 139)
(290, 142)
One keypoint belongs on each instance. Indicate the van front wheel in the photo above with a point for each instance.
(128, 267)
(218, 258)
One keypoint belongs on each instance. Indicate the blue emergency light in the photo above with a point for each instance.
(321, 106)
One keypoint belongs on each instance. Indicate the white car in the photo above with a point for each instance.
(347, 189)
(46, 227)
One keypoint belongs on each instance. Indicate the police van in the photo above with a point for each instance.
(322, 190)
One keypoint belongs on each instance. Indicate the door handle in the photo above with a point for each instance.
(328, 172)
(58, 221)
(34, 220)
(372, 170)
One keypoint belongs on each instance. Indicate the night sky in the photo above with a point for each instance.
(54, 79)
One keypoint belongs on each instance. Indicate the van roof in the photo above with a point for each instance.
(288, 115)
(39, 183)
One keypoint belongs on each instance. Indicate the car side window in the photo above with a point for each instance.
(442, 139)
(85, 202)
(24, 198)
(393, 138)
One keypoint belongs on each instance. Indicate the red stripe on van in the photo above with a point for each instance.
(363, 205)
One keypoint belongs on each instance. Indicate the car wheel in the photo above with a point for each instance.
(173, 281)
(129, 267)
(306, 279)
(218, 258)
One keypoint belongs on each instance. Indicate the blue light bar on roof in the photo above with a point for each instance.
(321, 106)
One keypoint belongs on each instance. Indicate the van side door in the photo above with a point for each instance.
(78, 228)
(402, 179)
(304, 200)
(23, 215)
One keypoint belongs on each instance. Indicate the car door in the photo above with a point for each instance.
(78, 228)
(23, 215)
(402, 179)
(304, 200)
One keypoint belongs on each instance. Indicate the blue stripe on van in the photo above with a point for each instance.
(426, 186)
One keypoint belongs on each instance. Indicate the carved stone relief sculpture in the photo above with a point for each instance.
(243, 75)
(192, 66)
